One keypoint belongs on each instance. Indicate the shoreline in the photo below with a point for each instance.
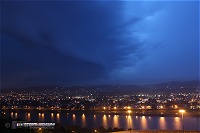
(134, 112)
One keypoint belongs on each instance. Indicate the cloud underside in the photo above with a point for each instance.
(64, 41)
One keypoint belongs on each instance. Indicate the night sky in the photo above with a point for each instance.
(111, 42)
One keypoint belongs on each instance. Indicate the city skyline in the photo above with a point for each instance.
(110, 42)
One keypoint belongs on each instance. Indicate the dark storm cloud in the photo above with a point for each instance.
(78, 42)
(63, 42)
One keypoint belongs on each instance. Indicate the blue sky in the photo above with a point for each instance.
(88, 42)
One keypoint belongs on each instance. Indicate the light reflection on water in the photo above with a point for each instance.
(115, 121)
(105, 124)
(74, 119)
(110, 120)
(58, 117)
(162, 122)
(143, 121)
(177, 123)
(42, 117)
(11, 114)
(28, 116)
(16, 115)
(52, 117)
(39, 117)
(83, 120)
(129, 122)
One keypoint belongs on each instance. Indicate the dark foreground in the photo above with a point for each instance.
(77, 129)
(157, 131)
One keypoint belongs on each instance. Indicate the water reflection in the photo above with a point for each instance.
(106, 120)
(129, 122)
(162, 123)
(83, 120)
(74, 119)
(115, 121)
(52, 116)
(11, 114)
(16, 115)
(105, 124)
(41, 116)
(143, 121)
(58, 117)
(177, 123)
(28, 116)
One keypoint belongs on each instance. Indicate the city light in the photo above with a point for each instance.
(182, 111)
(129, 111)
(111, 108)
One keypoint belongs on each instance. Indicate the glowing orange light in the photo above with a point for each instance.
(129, 111)
(182, 111)
(128, 107)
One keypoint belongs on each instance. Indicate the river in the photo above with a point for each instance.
(95, 120)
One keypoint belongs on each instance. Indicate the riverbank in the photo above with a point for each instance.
(93, 120)
(135, 112)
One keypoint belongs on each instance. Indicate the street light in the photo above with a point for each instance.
(182, 112)
(129, 111)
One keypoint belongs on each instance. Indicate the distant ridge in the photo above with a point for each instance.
(159, 88)
(175, 87)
